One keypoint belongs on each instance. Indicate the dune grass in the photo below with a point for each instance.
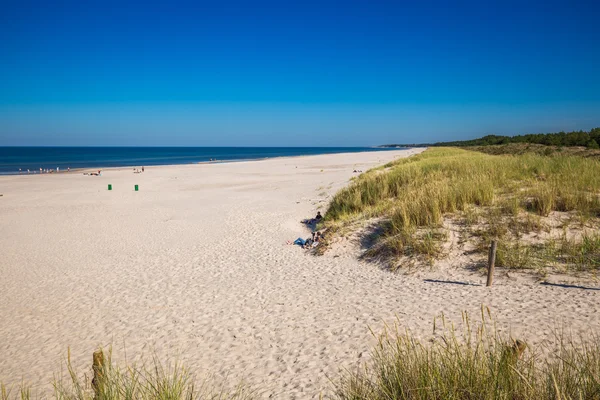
(471, 361)
(412, 196)
(475, 363)
(541, 149)
(161, 381)
(577, 255)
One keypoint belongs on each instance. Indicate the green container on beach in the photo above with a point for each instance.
(109, 186)
(136, 188)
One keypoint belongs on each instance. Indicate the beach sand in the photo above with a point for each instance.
(194, 267)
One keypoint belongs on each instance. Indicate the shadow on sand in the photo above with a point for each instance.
(566, 286)
(452, 282)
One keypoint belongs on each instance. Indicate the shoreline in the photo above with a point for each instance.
(219, 161)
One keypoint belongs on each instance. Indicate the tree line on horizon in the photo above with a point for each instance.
(582, 138)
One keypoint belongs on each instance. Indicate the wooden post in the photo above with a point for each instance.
(491, 262)
(98, 368)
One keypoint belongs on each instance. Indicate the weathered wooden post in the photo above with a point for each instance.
(98, 368)
(491, 262)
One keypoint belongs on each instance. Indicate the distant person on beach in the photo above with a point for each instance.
(317, 239)
(314, 220)
(298, 241)
(309, 243)
(142, 169)
(303, 242)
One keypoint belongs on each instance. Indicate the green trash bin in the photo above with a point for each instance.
(109, 186)
(136, 188)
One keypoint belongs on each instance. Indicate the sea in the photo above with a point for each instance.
(15, 160)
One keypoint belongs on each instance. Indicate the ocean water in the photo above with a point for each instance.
(33, 158)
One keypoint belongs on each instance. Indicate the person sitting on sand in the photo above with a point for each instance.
(309, 242)
(305, 244)
(299, 242)
(315, 242)
(318, 238)
(314, 220)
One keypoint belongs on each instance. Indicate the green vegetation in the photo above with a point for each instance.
(576, 138)
(159, 381)
(474, 364)
(540, 149)
(589, 139)
(575, 255)
(497, 196)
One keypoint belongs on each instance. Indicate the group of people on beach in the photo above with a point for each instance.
(137, 171)
(316, 236)
(45, 170)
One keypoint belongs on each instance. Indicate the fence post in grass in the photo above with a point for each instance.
(491, 262)
(98, 369)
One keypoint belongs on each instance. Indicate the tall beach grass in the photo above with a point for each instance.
(475, 363)
(159, 380)
(471, 360)
(412, 196)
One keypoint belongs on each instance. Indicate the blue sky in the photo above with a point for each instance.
(294, 73)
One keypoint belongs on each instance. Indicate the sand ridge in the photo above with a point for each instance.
(194, 266)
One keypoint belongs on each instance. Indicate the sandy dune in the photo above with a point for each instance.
(194, 267)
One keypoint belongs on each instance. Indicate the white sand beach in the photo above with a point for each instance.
(194, 267)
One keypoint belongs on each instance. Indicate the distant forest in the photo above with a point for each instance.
(589, 139)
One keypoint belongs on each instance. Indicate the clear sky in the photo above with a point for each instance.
(282, 73)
